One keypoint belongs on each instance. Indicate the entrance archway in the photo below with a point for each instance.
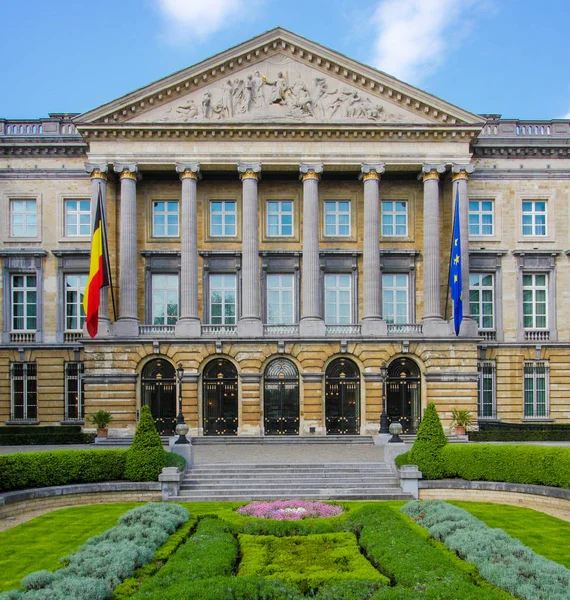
(220, 398)
(281, 398)
(342, 398)
(403, 394)
(159, 394)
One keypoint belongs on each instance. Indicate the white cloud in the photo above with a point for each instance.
(566, 116)
(412, 36)
(190, 20)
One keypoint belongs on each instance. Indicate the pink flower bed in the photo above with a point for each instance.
(289, 510)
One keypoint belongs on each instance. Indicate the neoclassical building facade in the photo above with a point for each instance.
(279, 221)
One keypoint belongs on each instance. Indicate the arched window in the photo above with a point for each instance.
(220, 398)
(159, 393)
(342, 398)
(403, 393)
(281, 398)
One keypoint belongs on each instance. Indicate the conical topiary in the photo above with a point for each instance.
(426, 451)
(146, 456)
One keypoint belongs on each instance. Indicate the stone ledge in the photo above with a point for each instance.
(82, 488)
(495, 486)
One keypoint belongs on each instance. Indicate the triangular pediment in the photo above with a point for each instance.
(279, 77)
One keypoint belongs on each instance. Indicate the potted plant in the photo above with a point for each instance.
(101, 419)
(461, 421)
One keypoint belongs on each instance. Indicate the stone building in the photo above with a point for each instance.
(279, 224)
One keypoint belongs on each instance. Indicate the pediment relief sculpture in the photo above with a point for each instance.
(280, 89)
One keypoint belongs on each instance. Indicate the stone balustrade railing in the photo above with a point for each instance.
(514, 128)
(56, 125)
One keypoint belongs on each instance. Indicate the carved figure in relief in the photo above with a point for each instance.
(279, 89)
(249, 93)
(239, 96)
(259, 89)
(227, 99)
(321, 92)
(208, 110)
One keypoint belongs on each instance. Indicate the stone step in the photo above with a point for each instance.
(270, 477)
(345, 466)
(283, 439)
(387, 494)
(277, 490)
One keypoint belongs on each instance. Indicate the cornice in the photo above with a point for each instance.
(542, 149)
(40, 146)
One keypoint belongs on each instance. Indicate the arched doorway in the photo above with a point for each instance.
(403, 394)
(159, 393)
(281, 398)
(220, 398)
(342, 398)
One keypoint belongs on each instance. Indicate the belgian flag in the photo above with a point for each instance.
(99, 276)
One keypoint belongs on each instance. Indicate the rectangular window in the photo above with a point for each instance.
(534, 217)
(482, 299)
(24, 303)
(164, 299)
(24, 391)
(279, 218)
(337, 218)
(536, 388)
(74, 313)
(223, 300)
(280, 299)
(486, 407)
(395, 295)
(77, 217)
(481, 217)
(23, 218)
(74, 405)
(394, 218)
(338, 304)
(535, 299)
(223, 218)
(165, 218)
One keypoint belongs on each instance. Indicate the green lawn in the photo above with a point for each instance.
(546, 535)
(41, 542)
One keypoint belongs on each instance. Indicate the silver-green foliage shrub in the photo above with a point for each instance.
(500, 559)
(105, 560)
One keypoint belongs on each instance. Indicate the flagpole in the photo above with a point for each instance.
(104, 226)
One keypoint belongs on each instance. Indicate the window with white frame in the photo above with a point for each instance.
(482, 299)
(74, 312)
(536, 388)
(77, 218)
(74, 391)
(395, 296)
(280, 299)
(394, 218)
(487, 406)
(165, 219)
(534, 218)
(337, 218)
(164, 299)
(481, 217)
(23, 218)
(338, 303)
(279, 218)
(24, 302)
(223, 304)
(223, 218)
(24, 391)
(535, 301)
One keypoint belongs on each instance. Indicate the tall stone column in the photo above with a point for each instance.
(250, 323)
(460, 178)
(372, 323)
(188, 324)
(98, 173)
(127, 324)
(312, 323)
(432, 267)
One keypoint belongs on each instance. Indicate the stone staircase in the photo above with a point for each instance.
(330, 481)
(290, 440)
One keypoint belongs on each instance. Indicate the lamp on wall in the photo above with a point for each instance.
(384, 425)
(181, 428)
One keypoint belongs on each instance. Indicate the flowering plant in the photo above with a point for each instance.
(289, 510)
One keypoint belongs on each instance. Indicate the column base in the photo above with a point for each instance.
(468, 328)
(435, 327)
(250, 327)
(103, 330)
(126, 327)
(190, 328)
(312, 327)
(374, 326)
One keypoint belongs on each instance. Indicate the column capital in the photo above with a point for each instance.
(371, 171)
(188, 170)
(249, 170)
(127, 171)
(461, 172)
(96, 171)
(310, 170)
(431, 171)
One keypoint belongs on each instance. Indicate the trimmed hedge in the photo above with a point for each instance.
(60, 467)
(24, 435)
(521, 432)
(146, 457)
(536, 465)
(429, 442)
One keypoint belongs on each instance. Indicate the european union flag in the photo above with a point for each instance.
(455, 282)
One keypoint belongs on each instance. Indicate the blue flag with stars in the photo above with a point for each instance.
(455, 281)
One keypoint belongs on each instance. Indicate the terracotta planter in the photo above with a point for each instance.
(102, 433)
(459, 430)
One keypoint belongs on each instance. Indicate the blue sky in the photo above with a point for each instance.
(486, 56)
